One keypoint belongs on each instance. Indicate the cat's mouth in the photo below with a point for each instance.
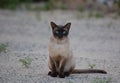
(60, 38)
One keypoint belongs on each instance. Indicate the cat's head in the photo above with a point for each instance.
(60, 31)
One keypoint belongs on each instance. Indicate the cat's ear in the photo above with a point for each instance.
(67, 26)
(53, 25)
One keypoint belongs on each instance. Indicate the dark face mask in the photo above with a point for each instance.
(60, 33)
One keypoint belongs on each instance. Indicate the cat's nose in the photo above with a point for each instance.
(60, 36)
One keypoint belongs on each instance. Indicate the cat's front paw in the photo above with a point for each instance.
(52, 74)
(62, 75)
(49, 73)
(67, 73)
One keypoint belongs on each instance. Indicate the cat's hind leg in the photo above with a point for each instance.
(70, 65)
(67, 73)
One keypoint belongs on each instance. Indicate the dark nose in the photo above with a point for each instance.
(60, 36)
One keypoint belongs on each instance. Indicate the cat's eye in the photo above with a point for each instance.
(57, 32)
(64, 32)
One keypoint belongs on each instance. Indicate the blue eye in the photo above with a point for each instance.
(57, 32)
(64, 32)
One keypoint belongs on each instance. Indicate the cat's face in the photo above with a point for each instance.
(60, 31)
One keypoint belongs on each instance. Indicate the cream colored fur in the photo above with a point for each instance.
(60, 50)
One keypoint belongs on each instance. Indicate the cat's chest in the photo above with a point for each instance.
(59, 49)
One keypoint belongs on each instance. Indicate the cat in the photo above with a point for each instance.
(61, 61)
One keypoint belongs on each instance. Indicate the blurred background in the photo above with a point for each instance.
(94, 8)
(105, 6)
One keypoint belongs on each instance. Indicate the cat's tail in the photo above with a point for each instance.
(78, 71)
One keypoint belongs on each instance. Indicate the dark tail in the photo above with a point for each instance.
(89, 71)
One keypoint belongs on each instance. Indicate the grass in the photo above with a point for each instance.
(26, 61)
(91, 66)
(98, 15)
(8, 4)
(70, 82)
(90, 14)
(118, 3)
(95, 14)
(81, 9)
(62, 6)
(119, 7)
(119, 12)
(99, 80)
(50, 5)
(28, 5)
(12, 4)
(3, 47)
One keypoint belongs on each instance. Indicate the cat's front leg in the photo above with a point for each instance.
(62, 68)
(52, 67)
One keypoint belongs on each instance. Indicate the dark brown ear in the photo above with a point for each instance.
(67, 26)
(53, 25)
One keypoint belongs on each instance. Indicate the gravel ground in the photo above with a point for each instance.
(94, 41)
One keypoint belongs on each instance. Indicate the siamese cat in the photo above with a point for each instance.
(61, 61)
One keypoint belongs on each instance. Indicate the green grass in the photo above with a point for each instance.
(99, 80)
(95, 14)
(12, 4)
(98, 15)
(3, 47)
(26, 61)
(119, 12)
(90, 14)
(70, 82)
(119, 7)
(91, 66)
(62, 6)
(50, 5)
(28, 5)
(118, 3)
(8, 4)
(81, 9)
